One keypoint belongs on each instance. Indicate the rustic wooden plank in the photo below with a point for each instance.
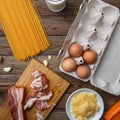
(58, 116)
(4, 46)
(54, 24)
(4, 96)
(1, 31)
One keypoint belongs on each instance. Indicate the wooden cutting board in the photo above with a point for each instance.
(56, 83)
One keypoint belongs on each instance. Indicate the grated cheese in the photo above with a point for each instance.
(84, 105)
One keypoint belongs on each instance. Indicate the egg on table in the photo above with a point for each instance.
(69, 65)
(75, 50)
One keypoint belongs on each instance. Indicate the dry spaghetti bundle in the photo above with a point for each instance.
(23, 28)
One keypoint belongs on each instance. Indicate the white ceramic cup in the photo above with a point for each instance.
(56, 5)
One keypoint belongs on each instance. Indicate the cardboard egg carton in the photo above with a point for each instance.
(96, 27)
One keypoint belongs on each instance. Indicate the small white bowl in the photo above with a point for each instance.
(99, 102)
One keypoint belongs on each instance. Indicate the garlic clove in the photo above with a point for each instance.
(45, 62)
(7, 69)
(49, 57)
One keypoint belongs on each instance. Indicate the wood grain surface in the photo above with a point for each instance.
(56, 26)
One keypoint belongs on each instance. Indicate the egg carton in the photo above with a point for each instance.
(92, 28)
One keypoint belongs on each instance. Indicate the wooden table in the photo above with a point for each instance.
(57, 26)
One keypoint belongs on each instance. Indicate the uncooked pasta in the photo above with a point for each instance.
(23, 28)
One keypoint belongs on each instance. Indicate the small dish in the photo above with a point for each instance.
(99, 102)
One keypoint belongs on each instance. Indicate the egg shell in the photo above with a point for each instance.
(69, 65)
(83, 71)
(75, 50)
(90, 56)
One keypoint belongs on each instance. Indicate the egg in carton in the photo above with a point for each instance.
(89, 36)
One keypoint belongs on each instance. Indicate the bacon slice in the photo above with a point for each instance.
(16, 97)
(36, 74)
(40, 83)
(40, 96)
(30, 100)
(42, 105)
(45, 95)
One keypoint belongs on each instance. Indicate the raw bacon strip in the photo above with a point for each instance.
(42, 105)
(30, 103)
(31, 99)
(16, 97)
(40, 83)
(45, 95)
(36, 74)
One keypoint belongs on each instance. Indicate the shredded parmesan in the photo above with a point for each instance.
(84, 105)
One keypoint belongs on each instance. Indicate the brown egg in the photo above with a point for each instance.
(90, 56)
(75, 50)
(69, 65)
(83, 71)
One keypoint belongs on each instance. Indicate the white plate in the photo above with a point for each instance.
(99, 101)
